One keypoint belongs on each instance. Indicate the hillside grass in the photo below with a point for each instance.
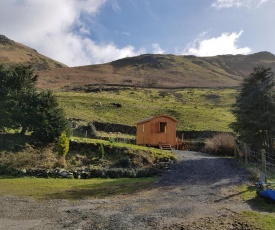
(194, 109)
(43, 189)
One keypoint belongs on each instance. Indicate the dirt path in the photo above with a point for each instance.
(197, 193)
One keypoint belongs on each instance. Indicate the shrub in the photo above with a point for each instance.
(197, 146)
(124, 162)
(29, 157)
(101, 151)
(115, 173)
(146, 172)
(63, 145)
(62, 149)
(221, 144)
(91, 130)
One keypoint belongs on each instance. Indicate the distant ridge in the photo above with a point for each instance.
(147, 70)
(161, 71)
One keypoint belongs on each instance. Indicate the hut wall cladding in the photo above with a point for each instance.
(151, 132)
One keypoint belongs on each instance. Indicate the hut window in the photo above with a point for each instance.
(162, 127)
(143, 128)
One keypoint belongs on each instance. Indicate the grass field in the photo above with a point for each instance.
(194, 109)
(40, 188)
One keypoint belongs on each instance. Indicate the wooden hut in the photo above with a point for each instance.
(157, 131)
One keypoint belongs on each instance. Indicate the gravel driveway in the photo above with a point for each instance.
(199, 192)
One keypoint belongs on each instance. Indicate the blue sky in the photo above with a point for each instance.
(83, 32)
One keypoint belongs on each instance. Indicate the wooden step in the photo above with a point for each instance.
(165, 147)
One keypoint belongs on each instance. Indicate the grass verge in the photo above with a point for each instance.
(259, 220)
(264, 217)
(249, 195)
(43, 189)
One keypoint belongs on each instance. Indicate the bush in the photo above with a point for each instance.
(197, 146)
(221, 144)
(30, 157)
(63, 144)
(146, 172)
(124, 162)
(115, 173)
(101, 151)
(91, 130)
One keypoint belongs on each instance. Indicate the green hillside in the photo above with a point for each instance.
(194, 109)
(197, 91)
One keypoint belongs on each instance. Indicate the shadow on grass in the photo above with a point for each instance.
(257, 203)
(237, 194)
(105, 188)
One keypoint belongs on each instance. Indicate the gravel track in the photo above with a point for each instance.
(199, 192)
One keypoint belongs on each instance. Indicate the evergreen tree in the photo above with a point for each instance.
(21, 106)
(49, 119)
(255, 109)
(17, 87)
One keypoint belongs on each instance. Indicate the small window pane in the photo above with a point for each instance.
(162, 127)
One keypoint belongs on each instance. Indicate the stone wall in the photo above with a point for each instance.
(110, 127)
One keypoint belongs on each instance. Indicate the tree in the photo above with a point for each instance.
(17, 89)
(21, 106)
(49, 119)
(255, 108)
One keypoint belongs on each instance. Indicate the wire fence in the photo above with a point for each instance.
(270, 164)
(262, 160)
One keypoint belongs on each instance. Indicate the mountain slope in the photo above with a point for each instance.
(12, 52)
(169, 71)
(148, 70)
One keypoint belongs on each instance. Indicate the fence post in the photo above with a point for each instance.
(245, 154)
(235, 149)
(263, 155)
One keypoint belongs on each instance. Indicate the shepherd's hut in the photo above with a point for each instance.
(157, 131)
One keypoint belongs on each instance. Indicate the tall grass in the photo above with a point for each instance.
(221, 144)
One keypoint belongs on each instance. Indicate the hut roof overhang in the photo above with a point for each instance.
(153, 117)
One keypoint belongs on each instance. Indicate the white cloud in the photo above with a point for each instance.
(219, 4)
(106, 52)
(224, 44)
(116, 6)
(56, 29)
(126, 33)
(157, 49)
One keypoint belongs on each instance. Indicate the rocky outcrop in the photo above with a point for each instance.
(4, 40)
